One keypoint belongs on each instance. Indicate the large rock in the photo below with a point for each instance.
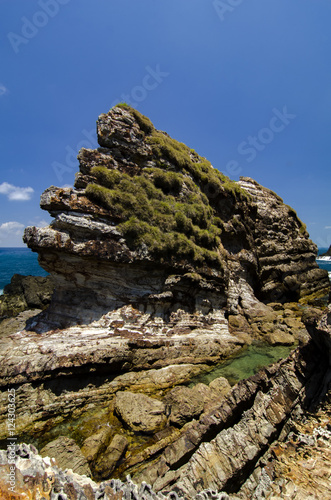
(140, 412)
(110, 458)
(96, 444)
(26, 292)
(158, 260)
(221, 386)
(184, 404)
(67, 455)
(150, 222)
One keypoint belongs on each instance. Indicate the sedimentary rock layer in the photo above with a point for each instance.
(152, 224)
(213, 457)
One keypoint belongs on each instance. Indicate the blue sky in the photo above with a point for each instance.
(246, 84)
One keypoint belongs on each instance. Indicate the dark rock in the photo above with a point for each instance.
(327, 253)
(108, 461)
(26, 292)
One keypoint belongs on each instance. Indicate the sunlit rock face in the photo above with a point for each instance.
(163, 267)
(152, 224)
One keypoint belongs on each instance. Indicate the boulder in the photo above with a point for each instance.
(280, 337)
(96, 444)
(221, 386)
(26, 292)
(140, 412)
(184, 404)
(110, 458)
(67, 455)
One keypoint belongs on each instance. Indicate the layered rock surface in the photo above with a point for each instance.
(231, 452)
(163, 268)
(152, 224)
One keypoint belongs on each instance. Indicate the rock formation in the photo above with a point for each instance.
(327, 253)
(152, 224)
(25, 292)
(163, 268)
(258, 442)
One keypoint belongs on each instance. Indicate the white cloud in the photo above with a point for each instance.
(11, 234)
(3, 89)
(42, 223)
(327, 227)
(15, 193)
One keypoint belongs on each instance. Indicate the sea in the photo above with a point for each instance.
(18, 261)
(24, 261)
(324, 264)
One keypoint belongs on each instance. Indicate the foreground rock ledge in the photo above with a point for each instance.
(219, 451)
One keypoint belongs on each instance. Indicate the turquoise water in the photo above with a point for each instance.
(248, 362)
(18, 261)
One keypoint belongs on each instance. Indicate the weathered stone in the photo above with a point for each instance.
(184, 404)
(140, 412)
(125, 311)
(26, 292)
(67, 455)
(220, 385)
(259, 405)
(279, 337)
(108, 461)
(96, 269)
(96, 444)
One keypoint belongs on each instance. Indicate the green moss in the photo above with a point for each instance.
(167, 181)
(210, 180)
(169, 208)
(149, 214)
(144, 123)
(105, 177)
(185, 159)
(302, 226)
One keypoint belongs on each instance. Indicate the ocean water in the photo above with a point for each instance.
(18, 261)
(324, 265)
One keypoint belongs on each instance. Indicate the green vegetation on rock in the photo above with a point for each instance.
(151, 214)
(168, 207)
(302, 225)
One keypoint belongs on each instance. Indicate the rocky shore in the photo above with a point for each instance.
(162, 269)
(261, 439)
(25, 293)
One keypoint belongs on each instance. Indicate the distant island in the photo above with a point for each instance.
(328, 253)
